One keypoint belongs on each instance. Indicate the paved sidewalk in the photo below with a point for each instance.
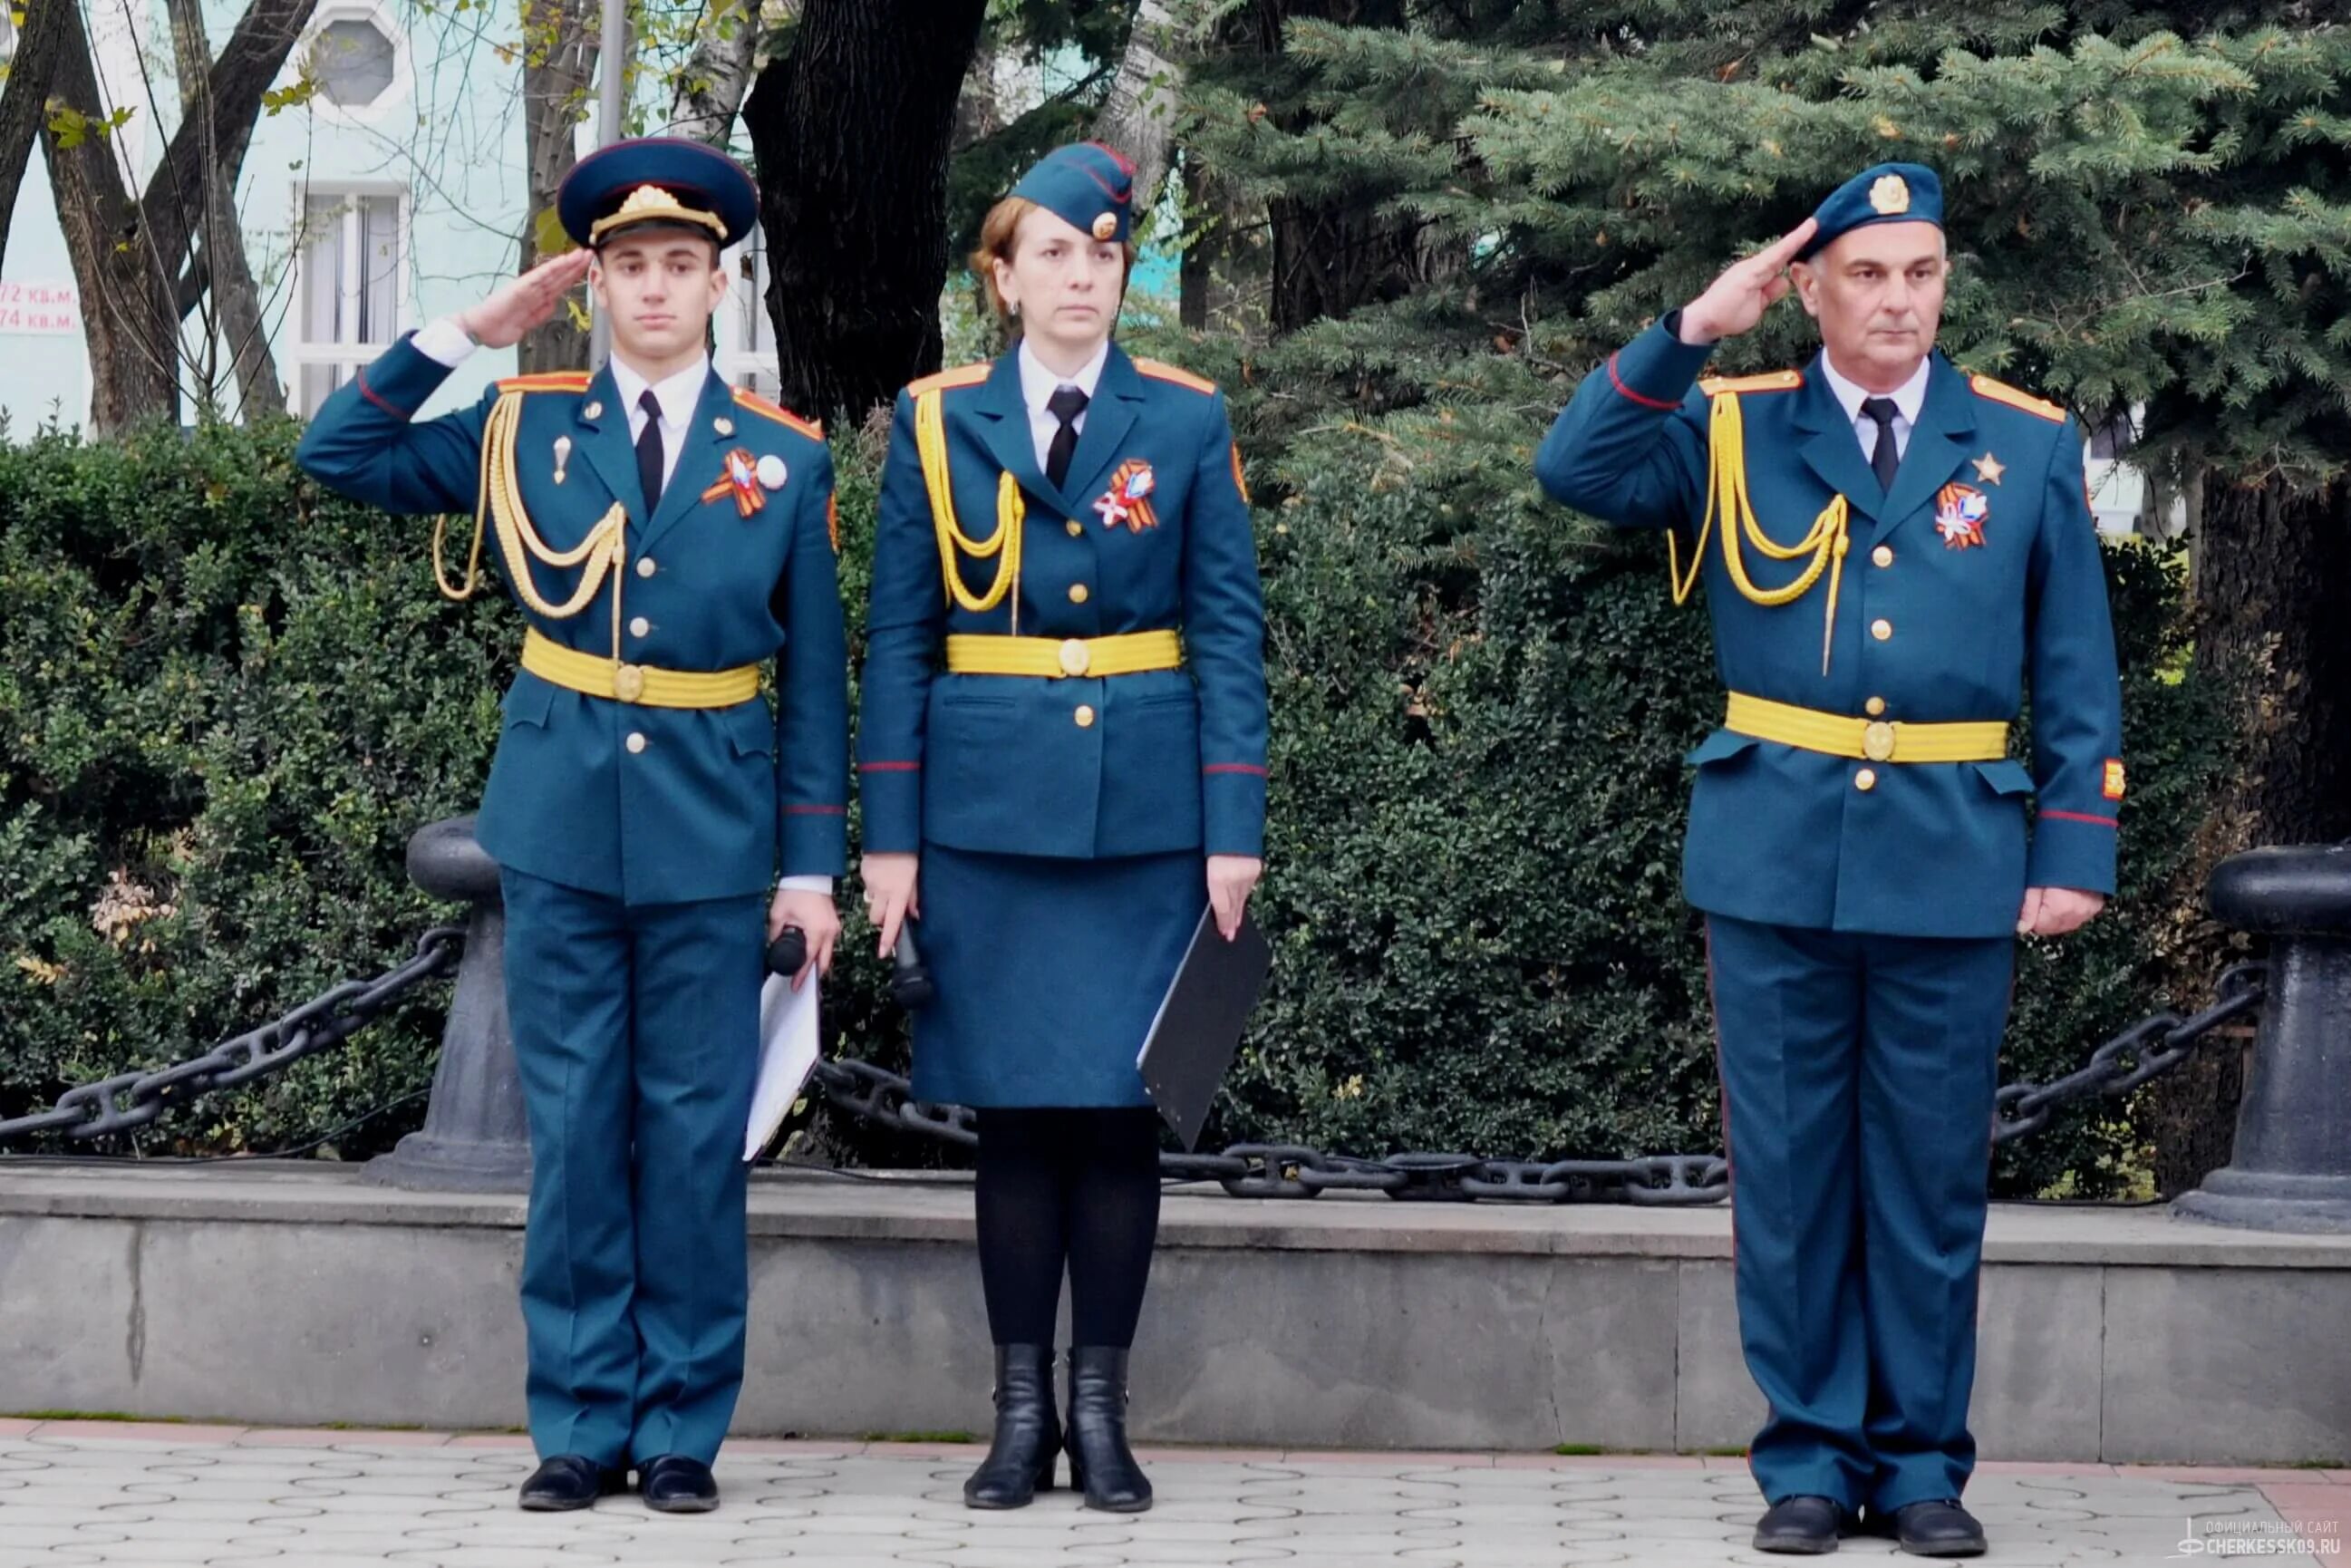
(95, 1492)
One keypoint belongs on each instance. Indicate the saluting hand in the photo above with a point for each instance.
(1734, 302)
(504, 316)
(1231, 879)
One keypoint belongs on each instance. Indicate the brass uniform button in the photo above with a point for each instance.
(645, 567)
(640, 626)
(1883, 555)
(1076, 658)
(637, 741)
(1076, 528)
(1085, 717)
(1881, 630)
(1876, 706)
(1078, 593)
(628, 682)
(1865, 780)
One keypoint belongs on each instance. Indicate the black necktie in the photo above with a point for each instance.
(649, 450)
(1065, 404)
(1884, 457)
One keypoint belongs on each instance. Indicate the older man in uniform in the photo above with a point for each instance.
(665, 536)
(1897, 551)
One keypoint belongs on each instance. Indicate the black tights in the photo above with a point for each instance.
(1074, 1190)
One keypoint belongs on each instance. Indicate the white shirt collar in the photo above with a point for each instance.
(677, 394)
(1908, 398)
(1037, 384)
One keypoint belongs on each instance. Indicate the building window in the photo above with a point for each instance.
(742, 334)
(354, 62)
(354, 261)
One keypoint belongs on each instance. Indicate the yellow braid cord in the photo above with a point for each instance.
(603, 552)
(1827, 543)
(1012, 514)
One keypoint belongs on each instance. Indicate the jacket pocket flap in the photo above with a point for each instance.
(529, 701)
(751, 729)
(1720, 746)
(2006, 777)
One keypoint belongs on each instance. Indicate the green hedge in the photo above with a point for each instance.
(227, 697)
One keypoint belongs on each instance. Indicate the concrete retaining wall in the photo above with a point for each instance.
(294, 1294)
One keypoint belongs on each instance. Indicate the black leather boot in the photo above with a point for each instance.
(1100, 1464)
(1027, 1439)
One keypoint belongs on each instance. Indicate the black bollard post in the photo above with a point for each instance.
(474, 1137)
(2291, 1169)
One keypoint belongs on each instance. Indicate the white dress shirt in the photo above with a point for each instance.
(1908, 398)
(1039, 384)
(446, 343)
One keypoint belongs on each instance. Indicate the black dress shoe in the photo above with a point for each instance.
(1938, 1528)
(1803, 1525)
(568, 1481)
(1100, 1464)
(1027, 1439)
(675, 1484)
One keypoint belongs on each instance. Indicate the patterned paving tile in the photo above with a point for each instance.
(162, 1496)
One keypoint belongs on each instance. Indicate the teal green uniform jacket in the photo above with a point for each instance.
(645, 804)
(1166, 760)
(1938, 626)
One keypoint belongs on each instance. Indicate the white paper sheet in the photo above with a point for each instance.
(787, 1048)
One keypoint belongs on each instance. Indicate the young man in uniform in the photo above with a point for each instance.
(665, 536)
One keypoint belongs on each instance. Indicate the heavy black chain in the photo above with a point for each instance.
(2144, 1050)
(1295, 1170)
(860, 1089)
(132, 1100)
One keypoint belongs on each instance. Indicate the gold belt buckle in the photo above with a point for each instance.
(629, 683)
(1075, 658)
(1877, 741)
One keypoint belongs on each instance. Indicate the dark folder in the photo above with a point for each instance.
(1200, 1024)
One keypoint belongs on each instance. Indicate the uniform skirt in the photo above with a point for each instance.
(1049, 972)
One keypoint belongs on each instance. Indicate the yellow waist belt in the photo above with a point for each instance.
(1865, 739)
(639, 684)
(1054, 658)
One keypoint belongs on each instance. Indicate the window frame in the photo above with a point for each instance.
(299, 349)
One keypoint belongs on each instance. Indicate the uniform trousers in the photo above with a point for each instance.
(1858, 1076)
(636, 1031)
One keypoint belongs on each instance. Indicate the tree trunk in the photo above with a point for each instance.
(851, 133)
(25, 100)
(561, 41)
(130, 320)
(1139, 116)
(2272, 575)
(718, 72)
(1331, 257)
(220, 261)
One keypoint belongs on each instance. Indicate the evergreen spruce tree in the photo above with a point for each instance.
(1484, 700)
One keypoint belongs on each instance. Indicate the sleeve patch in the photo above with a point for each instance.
(833, 521)
(2113, 789)
(1240, 481)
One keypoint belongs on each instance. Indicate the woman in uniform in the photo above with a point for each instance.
(1063, 760)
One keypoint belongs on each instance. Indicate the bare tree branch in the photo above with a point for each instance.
(23, 101)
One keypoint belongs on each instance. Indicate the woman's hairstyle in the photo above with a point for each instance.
(999, 236)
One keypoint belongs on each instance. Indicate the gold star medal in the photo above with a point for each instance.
(1988, 468)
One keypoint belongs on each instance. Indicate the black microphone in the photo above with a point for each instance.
(788, 953)
(910, 982)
